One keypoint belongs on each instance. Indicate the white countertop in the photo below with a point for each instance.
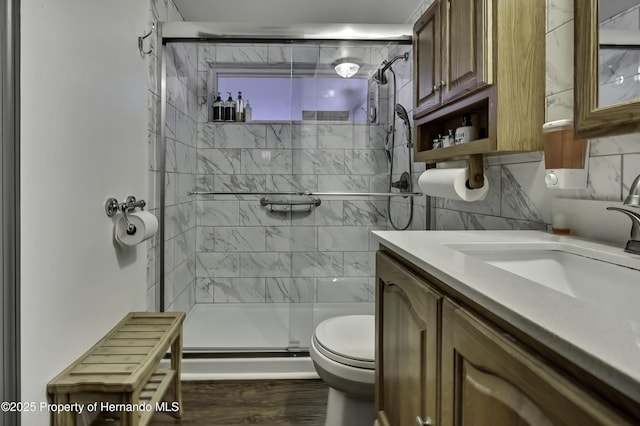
(604, 343)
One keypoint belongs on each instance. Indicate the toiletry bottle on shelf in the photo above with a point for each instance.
(247, 112)
(467, 132)
(230, 109)
(448, 140)
(239, 108)
(218, 109)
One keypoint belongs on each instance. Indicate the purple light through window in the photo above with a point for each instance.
(284, 98)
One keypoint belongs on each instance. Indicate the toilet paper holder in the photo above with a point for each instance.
(112, 207)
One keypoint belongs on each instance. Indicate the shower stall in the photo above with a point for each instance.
(266, 223)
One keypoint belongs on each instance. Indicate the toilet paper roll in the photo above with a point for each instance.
(451, 183)
(146, 226)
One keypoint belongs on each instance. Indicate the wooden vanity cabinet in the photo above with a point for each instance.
(489, 379)
(407, 327)
(440, 360)
(484, 58)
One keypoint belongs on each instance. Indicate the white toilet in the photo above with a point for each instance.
(343, 354)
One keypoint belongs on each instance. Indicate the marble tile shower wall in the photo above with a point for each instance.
(180, 177)
(180, 131)
(518, 198)
(248, 254)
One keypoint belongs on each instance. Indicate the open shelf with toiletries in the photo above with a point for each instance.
(484, 59)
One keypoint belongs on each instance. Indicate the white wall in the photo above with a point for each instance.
(84, 139)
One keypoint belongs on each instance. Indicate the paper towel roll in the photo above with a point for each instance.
(451, 183)
(146, 226)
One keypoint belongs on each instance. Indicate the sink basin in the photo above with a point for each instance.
(586, 276)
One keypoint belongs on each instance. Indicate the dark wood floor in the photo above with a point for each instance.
(263, 402)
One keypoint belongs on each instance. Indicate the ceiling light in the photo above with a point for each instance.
(346, 68)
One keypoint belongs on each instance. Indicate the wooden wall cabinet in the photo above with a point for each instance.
(426, 60)
(447, 364)
(485, 58)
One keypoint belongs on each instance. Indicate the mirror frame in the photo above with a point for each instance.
(589, 119)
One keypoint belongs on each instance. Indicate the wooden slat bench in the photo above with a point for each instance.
(122, 369)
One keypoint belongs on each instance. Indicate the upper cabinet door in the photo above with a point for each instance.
(489, 63)
(426, 48)
(466, 51)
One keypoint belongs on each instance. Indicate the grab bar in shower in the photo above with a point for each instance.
(312, 194)
(290, 204)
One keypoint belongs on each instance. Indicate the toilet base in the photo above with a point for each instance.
(344, 410)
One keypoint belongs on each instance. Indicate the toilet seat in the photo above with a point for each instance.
(348, 340)
(343, 352)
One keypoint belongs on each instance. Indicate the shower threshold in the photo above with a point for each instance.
(255, 340)
(251, 368)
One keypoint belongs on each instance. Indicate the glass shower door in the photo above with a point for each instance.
(256, 276)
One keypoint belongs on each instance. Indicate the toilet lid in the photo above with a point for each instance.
(348, 339)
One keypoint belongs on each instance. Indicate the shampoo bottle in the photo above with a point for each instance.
(230, 109)
(239, 108)
(218, 109)
(247, 112)
(467, 132)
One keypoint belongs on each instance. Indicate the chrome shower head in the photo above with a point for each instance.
(379, 75)
(404, 116)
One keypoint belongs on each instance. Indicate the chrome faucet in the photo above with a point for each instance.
(633, 200)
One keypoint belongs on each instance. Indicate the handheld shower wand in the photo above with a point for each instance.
(402, 114)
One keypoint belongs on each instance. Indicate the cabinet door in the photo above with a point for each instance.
(426, 51)
(466, 51)
(407, 313)
(488, 379)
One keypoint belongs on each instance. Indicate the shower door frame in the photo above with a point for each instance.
(168, 32)
(10, 213)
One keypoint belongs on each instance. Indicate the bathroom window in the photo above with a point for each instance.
(281, 97)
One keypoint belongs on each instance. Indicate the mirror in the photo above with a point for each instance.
(607, 67)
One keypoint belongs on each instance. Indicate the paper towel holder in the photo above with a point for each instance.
(112, 207)
(475, 173)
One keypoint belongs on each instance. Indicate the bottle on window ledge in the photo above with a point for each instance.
(230, 109)
(218, 109)
(247, 112)
(239, 108)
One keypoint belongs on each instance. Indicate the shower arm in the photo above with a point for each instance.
(387, 64)
(378, 75)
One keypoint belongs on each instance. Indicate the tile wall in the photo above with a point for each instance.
(246, 253)
(518, 198)
(228, 249)
(180, 176)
